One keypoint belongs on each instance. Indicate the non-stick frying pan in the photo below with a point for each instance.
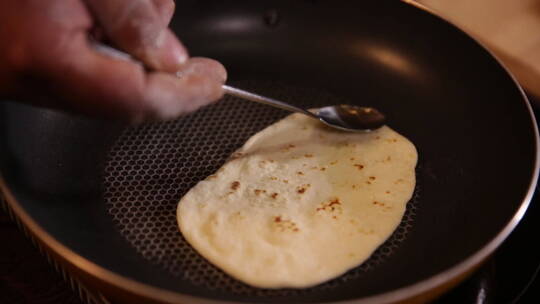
(101, 196)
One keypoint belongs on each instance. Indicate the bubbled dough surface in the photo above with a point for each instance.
(300, 203)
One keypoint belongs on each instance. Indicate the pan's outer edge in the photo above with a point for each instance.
(419, 292)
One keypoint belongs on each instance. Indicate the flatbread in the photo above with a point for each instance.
(300, 203)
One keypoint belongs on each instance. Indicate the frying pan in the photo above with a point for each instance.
(101, 196)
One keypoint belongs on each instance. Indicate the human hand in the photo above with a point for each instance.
(47, 58)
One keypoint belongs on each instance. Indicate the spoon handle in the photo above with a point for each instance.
(265, 100)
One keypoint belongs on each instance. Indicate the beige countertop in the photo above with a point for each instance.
(509, 28)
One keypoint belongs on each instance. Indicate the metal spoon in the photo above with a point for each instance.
(344, 117)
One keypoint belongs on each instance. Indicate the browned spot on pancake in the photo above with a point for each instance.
(359, 166)
(259, 191)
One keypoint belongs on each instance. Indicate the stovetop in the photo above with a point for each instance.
(509, 276)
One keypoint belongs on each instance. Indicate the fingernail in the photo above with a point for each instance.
(171, 53)
(205, 66)
(165, 9)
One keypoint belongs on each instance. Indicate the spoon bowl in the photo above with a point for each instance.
(343, 117)
(351, 118)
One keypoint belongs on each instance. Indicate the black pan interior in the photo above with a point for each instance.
(466, 116)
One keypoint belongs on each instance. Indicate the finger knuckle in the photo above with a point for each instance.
(136, 24)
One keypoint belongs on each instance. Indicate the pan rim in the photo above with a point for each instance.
(410, 291)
